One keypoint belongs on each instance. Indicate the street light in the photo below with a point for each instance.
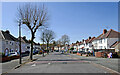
(20, 62)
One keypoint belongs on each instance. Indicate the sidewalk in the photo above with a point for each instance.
(7, 66)
(112, 63)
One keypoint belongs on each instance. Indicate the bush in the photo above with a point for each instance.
(3, 54)
(71, 48)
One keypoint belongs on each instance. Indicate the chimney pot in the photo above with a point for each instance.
(89, 38)
(83, 40)
(24, 37)
(7, 31)
(104, 31)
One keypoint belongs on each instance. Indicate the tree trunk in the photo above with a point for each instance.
(47, 48)
(31, 53)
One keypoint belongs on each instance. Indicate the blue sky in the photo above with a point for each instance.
(78, 20)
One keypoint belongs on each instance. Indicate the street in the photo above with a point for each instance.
(62, 63)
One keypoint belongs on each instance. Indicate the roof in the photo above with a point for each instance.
(80, 43)
(93, 38)
(98, 37)
(8, 36)
(87, 40)
(24, 40)
(114, 44)
(109, 34)
(36, 43)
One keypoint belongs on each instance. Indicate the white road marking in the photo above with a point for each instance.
(33, 65)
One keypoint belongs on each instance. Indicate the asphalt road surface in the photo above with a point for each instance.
(61, 63)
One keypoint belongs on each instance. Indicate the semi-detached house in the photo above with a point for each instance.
(7, 41)
(106, 39)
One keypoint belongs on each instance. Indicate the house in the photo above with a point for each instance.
(81, 45)
(89, 45)
(66, 47)
(116, 46)
(106, 39)
(72, 45)
(25, 44)
(36, 46)
(86, 45)
(75, 47)
(8, 42)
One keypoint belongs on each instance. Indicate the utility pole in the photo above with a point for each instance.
(20, 62)
(43, 45)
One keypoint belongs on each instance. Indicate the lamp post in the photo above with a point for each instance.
(20, 62)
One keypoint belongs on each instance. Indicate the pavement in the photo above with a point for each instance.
(8, 66)
(66, 63)
(112, 63)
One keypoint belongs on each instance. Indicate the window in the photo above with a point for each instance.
(100, 41)
(104, 41)
(12, 43)
(6, 42)
(28, 47)
(100, 47)
(104, 47)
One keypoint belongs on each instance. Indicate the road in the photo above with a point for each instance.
(61, 63)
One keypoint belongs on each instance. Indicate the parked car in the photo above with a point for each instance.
(74, 51)
(13, 54)
(40, 51)
(83, 52)
(62, 51)
(27, 52)
(57, 50)
(79, 51)
(51, 50)
(70, 51)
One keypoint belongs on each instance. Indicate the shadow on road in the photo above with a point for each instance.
(61, 54)
(88, 60)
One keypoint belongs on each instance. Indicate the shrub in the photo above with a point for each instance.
(71, 48)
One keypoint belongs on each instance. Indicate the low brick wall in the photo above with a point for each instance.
(79, 54)
(8, 58)
(101, 54)
(82, 54)
(98, 54)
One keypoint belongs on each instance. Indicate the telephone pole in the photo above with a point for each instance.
(20, 62)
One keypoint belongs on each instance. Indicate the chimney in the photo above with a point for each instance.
(89, 38)
(104, 31)
(83, 40)
(7, 31)
(24, 37)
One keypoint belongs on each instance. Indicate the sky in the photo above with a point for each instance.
(78, 20)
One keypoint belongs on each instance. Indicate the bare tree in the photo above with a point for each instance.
(49, 35)
(65, 40)
(34, 18)
(58, 43)
(42, 39)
